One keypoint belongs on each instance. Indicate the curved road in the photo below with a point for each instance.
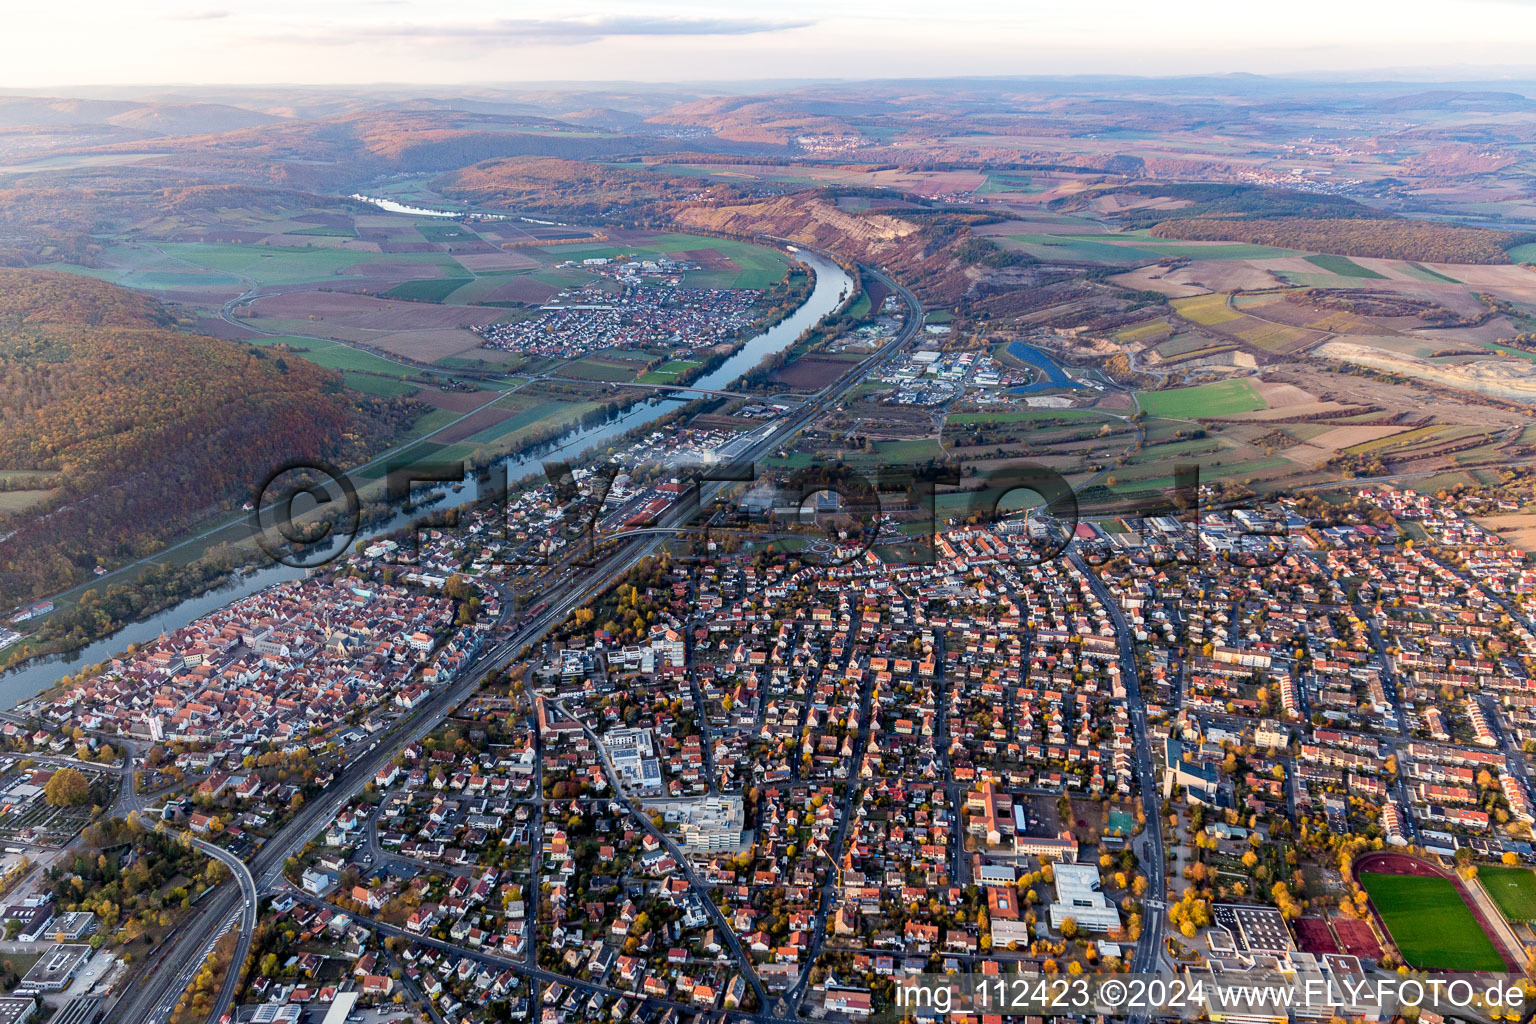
(244, 920)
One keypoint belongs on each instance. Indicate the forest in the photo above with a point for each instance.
(142, 429)
(1302, 220)
(1215, 199)
(1386, 238)
(573, 189)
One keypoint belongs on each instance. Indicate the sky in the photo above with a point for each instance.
(322, 42)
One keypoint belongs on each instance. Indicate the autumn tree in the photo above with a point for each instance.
(68, 788)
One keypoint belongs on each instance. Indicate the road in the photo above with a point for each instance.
(542, 977)
(1153, 860)
(244, 922)
(141, 1003)
(637, 811)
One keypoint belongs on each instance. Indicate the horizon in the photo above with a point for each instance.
(1384, 78)
(344, 42)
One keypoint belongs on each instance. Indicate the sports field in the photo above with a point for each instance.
(1513, 889)
(1223, 398)
(1430, 923)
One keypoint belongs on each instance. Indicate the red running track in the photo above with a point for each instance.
(1384, 862)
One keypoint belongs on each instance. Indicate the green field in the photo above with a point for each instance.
(1343, 266)
(667, 372)
(860, 308)
(1148, 242)
(1430, 923)
(1222, 251)
(277, 264)
(1223, 398)
(1205, 309)
(1424, 273)
(1513, 889)
(374, 385)
(919, 449)
(1006, 181)
(151, 280)
(473, 292)
(334, 355)
(432, 289)
(445, 231)
(1081, 248)
(597, 369)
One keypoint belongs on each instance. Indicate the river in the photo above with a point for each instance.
(832, 284)
(391, 206)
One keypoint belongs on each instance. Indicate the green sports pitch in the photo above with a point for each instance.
(1513, 889)
(1430, 923)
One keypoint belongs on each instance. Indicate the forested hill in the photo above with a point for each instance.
(118, 430)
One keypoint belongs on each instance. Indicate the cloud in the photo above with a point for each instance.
(198, 16)
(559, 31)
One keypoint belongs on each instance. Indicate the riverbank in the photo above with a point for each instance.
(829, 287)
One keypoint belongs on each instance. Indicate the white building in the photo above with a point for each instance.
(709, 825)
(1078, 896)
(633, 753)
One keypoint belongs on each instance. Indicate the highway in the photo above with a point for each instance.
(146, 1003)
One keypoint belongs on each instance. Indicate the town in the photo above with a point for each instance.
(731, 785)
(592, 318)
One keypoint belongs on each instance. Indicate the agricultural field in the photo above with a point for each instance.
(1516, 528)
(20, 501)
(601, 369)
(667, 372)
(1181, 345)
(372, 384)
(1205, 310)
(1276, 337)
(420, 332)
(429, 290)
(1430, 923)
(334, 355)
(1343, 266)
(269, 265)
(1222, 398)
(1156, 329)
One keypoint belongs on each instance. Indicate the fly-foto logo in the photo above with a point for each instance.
(828, 513)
